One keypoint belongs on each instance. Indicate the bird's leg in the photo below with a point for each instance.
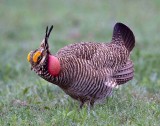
(89, 108)
(81, 104)
(90, 105)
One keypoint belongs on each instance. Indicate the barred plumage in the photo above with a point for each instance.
(88, 71)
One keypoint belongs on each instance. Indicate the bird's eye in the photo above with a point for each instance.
(29, 57)
(36, 56)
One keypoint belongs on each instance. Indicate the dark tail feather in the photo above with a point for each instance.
(123, 35)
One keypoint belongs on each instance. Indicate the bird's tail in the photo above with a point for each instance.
(122, 35)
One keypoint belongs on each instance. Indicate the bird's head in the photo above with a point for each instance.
(41, 60)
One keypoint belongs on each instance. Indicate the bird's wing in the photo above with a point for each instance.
(83, 50)
(98, 55)
(109, 56)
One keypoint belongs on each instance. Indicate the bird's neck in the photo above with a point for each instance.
(53, 65)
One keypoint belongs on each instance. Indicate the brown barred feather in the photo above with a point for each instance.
(89, 71)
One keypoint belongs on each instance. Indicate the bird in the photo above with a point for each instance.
(87, 71)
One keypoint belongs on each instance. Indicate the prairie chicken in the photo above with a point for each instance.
(87, 71)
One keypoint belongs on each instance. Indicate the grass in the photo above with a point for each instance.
(26, 99)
